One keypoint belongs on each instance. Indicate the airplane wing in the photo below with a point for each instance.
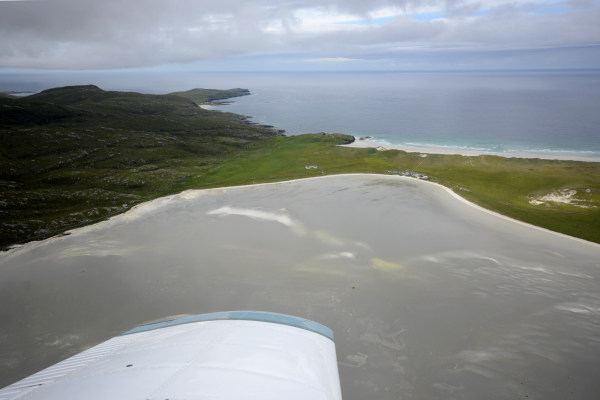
(227, 355)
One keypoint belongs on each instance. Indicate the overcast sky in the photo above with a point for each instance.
(267, 35)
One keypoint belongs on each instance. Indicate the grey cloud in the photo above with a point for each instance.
(115, 34)
(96, 34)
(514, 30)
(497, 31)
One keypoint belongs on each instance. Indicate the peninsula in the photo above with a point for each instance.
(76, 155)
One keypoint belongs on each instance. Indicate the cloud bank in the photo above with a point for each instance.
(113, 34)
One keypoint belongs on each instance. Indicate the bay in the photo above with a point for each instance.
(508, 112)
(543, 112)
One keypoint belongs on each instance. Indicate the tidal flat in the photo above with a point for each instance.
(428, 296)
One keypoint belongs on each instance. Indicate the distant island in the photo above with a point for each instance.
(203, 96)
(76, 155)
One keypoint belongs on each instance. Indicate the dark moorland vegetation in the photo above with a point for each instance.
(201, 96)
(72, 156)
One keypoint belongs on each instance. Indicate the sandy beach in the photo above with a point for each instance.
(368, 143)
(147, 207)
(428, 296)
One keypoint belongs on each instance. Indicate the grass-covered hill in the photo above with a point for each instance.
(76, 154)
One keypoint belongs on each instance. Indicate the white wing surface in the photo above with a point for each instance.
(229, 355)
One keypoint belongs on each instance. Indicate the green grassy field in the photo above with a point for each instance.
(505, 185)
(75, 156)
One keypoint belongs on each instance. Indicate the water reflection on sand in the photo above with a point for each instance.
(428, 296)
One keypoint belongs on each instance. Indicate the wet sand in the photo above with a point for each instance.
(429, 297)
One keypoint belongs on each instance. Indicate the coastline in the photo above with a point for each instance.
(367, 143)
(189, 194)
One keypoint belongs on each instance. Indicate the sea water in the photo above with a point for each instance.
(536, 112)
(539, 112)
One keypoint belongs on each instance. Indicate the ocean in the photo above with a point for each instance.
(502, 112)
